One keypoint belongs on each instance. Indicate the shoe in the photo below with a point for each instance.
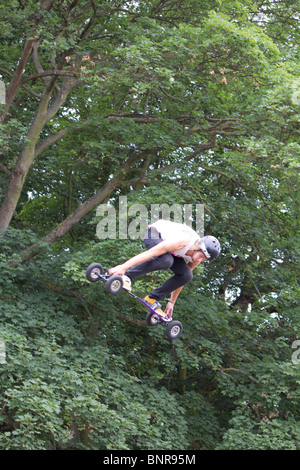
(126, 283)
(155, 305)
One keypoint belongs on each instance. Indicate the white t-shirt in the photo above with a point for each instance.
(168, 230)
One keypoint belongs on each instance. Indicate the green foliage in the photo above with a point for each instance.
(56, 379)
(172, 103)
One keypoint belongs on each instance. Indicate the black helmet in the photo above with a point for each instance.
(210, 246)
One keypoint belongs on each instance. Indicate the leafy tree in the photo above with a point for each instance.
(162, 102)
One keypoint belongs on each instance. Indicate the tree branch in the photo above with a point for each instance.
(101, 195)
(4, 169)
(49, 141)
(26, 88)
(13, 86)
(49, 73)
(140, 118)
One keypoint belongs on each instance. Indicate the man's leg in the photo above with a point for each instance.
(158, 263)
(182, 275)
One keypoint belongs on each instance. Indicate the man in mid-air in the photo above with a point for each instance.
(170, 245)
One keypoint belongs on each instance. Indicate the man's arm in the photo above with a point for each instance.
(170, 304)
(157, 250)
(176, 292)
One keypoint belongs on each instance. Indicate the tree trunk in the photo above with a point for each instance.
(25, 161)
(43, 115)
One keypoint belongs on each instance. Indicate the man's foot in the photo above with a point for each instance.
(126, 283)
(155, 305)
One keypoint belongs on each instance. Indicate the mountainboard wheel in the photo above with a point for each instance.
(152, 319)
(114, 284)
(93, 272)
(174, 329)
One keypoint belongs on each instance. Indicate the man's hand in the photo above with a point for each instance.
(120, 270)
(169, 309)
